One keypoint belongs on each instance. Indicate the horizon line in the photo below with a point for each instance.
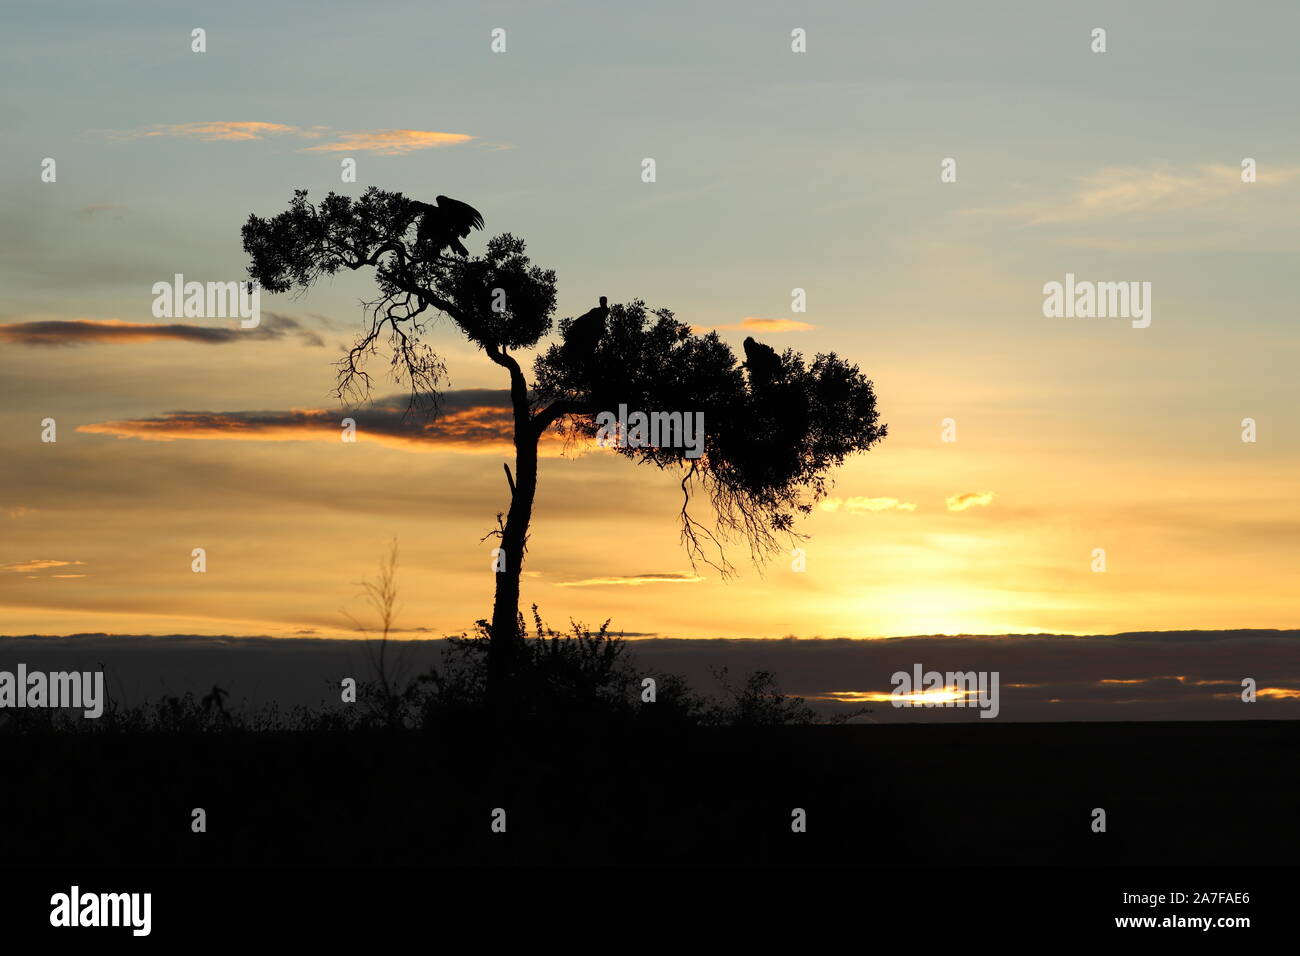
(638, 636)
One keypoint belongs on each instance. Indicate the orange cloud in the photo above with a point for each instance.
(970, 499)
(469, 420)
(385, 142)
(221, 131)
(1279, 693)
(752, 324)
(40, 564)
(390, 142)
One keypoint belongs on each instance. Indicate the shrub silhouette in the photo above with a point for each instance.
(582, 676)
(758, 702)
(575, 677)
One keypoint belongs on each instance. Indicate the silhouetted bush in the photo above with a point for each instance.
(759, 703)
(583, 676)
(574, 677)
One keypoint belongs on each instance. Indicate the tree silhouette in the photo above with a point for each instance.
(774, 425)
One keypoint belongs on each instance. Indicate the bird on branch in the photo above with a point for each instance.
(444, 225)
(762, 361)
(584, 334)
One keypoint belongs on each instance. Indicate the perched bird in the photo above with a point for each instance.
(762, 361)
(444, 225)
(584, 333)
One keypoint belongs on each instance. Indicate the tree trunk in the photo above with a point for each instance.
(503, 651)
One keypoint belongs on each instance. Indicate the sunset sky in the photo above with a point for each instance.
(775, 171)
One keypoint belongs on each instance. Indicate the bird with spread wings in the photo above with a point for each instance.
(442, 226)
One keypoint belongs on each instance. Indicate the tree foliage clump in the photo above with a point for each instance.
(769, 442)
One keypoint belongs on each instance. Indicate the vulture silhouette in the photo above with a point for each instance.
(584, 334)
(444, 225)
(762, 361)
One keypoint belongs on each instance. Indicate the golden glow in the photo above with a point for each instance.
(933, 696)
(1279, 693)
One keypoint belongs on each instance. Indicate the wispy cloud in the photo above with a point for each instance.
(221, 131)
(470, 420)
(389, 142)
(385, 142)
(633, 580)
(71, 332)
(39, 564)
(1131, 192)
(752, 324)
(861, 505)
(970, 499)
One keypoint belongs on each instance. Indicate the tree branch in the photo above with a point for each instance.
(518, 391)
(558, 409)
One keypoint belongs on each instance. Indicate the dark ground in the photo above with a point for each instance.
(879, 796)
